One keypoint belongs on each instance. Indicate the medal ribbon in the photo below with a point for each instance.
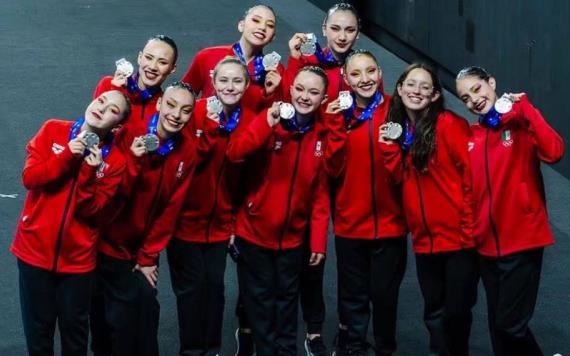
(325, 56)
(406, 143)
(366, 113)
(167, 146)
(258, 75)
(75, 129)
(133, 88)
(492, 119)
(231, 123)
(293, 125)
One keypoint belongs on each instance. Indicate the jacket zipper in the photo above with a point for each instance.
(293, 176)
(424, 220)
(373, 177)
(154, 201)
(491, 221)
(213, 212)
(143, 110)
(63, 220)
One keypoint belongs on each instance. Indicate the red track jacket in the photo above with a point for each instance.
(208, 211)
(285, 185)
(507, 182)
(56, 231)
(368, 200)
(140, 110)
(143, 216)
(438, 204)
(199, 76)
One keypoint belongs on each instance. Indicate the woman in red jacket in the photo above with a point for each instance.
(509, 142)
(197, 253)
(430, 157)
(340, 28)
(369, 223)
(156, 62)
(257, 30)
(70, 179)
(285, 191)
(140, 222)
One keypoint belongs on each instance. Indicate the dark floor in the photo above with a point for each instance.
(54, 52)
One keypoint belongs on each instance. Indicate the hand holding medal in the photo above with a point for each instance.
(138, 147)
(95, 156)
(124, 70)
(309, 45)
(274, 113)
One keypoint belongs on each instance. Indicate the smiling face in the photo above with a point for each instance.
(230, 82)
(175, 110)
(258, 26)
(308, 92)
(477, 94)
(417, 90)
(156, 63)
(341, 31)
(106, 111)
(363, 75)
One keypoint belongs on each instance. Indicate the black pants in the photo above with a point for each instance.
(269, 281)
(125, 311)
(46, 298)
(511, 284)
(448, 282)
(370, 271)
(311, 292)
(197, 276)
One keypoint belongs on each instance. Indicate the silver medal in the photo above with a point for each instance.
(286, 111)
(91, 138)
(124, 67)
(345, 99)
(271, 61)
(151, 142)
(309, 47)
(214, 105)
(394, 130)
(503, 104)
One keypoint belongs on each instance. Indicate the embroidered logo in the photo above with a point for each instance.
(470, 146)
(506, 138)
(318, 149)
(199, 132)
(101, 170)
(57, 148)
(277, 145)
(180, 169)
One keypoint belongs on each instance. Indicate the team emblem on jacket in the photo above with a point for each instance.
(506, 138)
(470, 146)
(198, 132)
(277, 145)
(57, 148)
(101, 170)
(180, 169)
(318, 149)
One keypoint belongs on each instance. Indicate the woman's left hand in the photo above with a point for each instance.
(316, 258)
(272, 81)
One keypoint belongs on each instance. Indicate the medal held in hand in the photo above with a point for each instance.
(345, 99)
(124, 67)
(504, 104)
(214, 105)
(286, 111)
(91, 138)
(271, 61)
(393, 130)
(151, 142)
(309, 47)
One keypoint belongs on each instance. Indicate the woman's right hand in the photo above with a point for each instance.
(295, 44)
(383, 135)
(119, 79)
(334, 107)
(274, 114)
(77, 146)
(138, 148)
